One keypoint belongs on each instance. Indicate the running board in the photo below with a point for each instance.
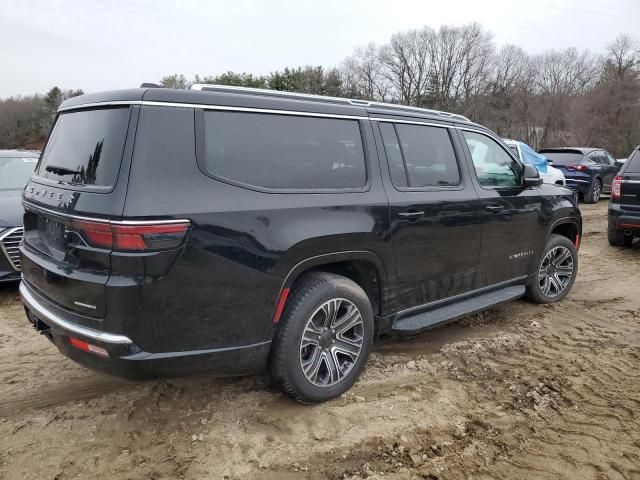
(437, 316)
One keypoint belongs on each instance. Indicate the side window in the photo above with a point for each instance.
(284, 151)
(420, 156)
(610, 159)
(597, 157)
(493, 165)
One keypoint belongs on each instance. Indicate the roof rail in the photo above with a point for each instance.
(323, 98)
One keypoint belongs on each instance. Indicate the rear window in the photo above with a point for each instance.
(85, 148)
(284, 151)
(633, 163)
(562, 158)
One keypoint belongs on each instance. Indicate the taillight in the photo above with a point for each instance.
(580, 168)
(616, 188)
(132, 237)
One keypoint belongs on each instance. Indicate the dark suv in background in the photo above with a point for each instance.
(589, 171)
(16, 166)
(169, 231)
(624, 207)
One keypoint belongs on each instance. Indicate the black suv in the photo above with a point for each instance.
(624, 207)
(170, 231)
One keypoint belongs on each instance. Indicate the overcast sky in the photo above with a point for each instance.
(101, 45)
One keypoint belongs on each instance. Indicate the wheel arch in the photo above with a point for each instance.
(363, 267)
(567, 227)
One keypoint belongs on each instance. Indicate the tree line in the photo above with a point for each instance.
(558, 97)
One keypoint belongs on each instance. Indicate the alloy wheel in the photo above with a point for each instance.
(596, 190)
(331, 342)
(556, 271)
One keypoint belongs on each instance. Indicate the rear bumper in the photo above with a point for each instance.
(578, 185)
(125, 359)
(624, 220)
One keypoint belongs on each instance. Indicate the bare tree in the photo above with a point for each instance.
(624, 56)
(364, 74)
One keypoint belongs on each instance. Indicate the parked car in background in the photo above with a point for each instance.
(230, 229)
(624, 207)
(16, 166)
(526, 154)
(620, 161)
(588, 171)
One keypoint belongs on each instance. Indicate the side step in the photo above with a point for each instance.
(437, 316)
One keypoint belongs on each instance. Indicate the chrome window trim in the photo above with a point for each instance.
(631, 181)
(212, 107)
(410, 122)
(30, 206)
(33, 303)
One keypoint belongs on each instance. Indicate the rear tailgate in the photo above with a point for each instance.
(630, 187)
(81, 176)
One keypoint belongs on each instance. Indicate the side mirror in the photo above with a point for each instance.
(531, 176)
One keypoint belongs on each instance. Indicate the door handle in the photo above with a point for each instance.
(412, 215)
(494, 208)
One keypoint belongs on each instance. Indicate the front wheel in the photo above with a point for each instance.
(324, 338)
(556, 271)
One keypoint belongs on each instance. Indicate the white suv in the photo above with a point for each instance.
(526, 154)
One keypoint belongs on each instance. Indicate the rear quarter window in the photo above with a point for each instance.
(284, 152)
(85, 147)
(633, 163)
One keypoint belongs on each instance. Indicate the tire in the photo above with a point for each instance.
(553, 271)
(618, 239)
(595, 190)
(314, 369)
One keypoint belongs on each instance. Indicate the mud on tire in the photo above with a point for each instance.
(324, 338)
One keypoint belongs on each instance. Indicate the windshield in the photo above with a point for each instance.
(562, 158)
(15, 172)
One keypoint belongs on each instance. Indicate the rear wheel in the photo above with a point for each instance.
(617, 238)
(325, 336)
(556, 272)
(595, 190)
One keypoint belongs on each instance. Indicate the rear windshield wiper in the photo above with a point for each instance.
(61, 170)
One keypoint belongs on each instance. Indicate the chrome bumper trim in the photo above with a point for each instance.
(30, 300)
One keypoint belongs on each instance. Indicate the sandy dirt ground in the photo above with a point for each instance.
(520, 391)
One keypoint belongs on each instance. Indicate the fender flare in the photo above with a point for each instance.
(563, 221)
(327, 258)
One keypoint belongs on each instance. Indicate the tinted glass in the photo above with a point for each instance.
(562, 158)
(633, 163)
(15, 171)
(493, 165)
(283, 151)
(598, 157)
(428, 156)
(394, 155)
(85, 148)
